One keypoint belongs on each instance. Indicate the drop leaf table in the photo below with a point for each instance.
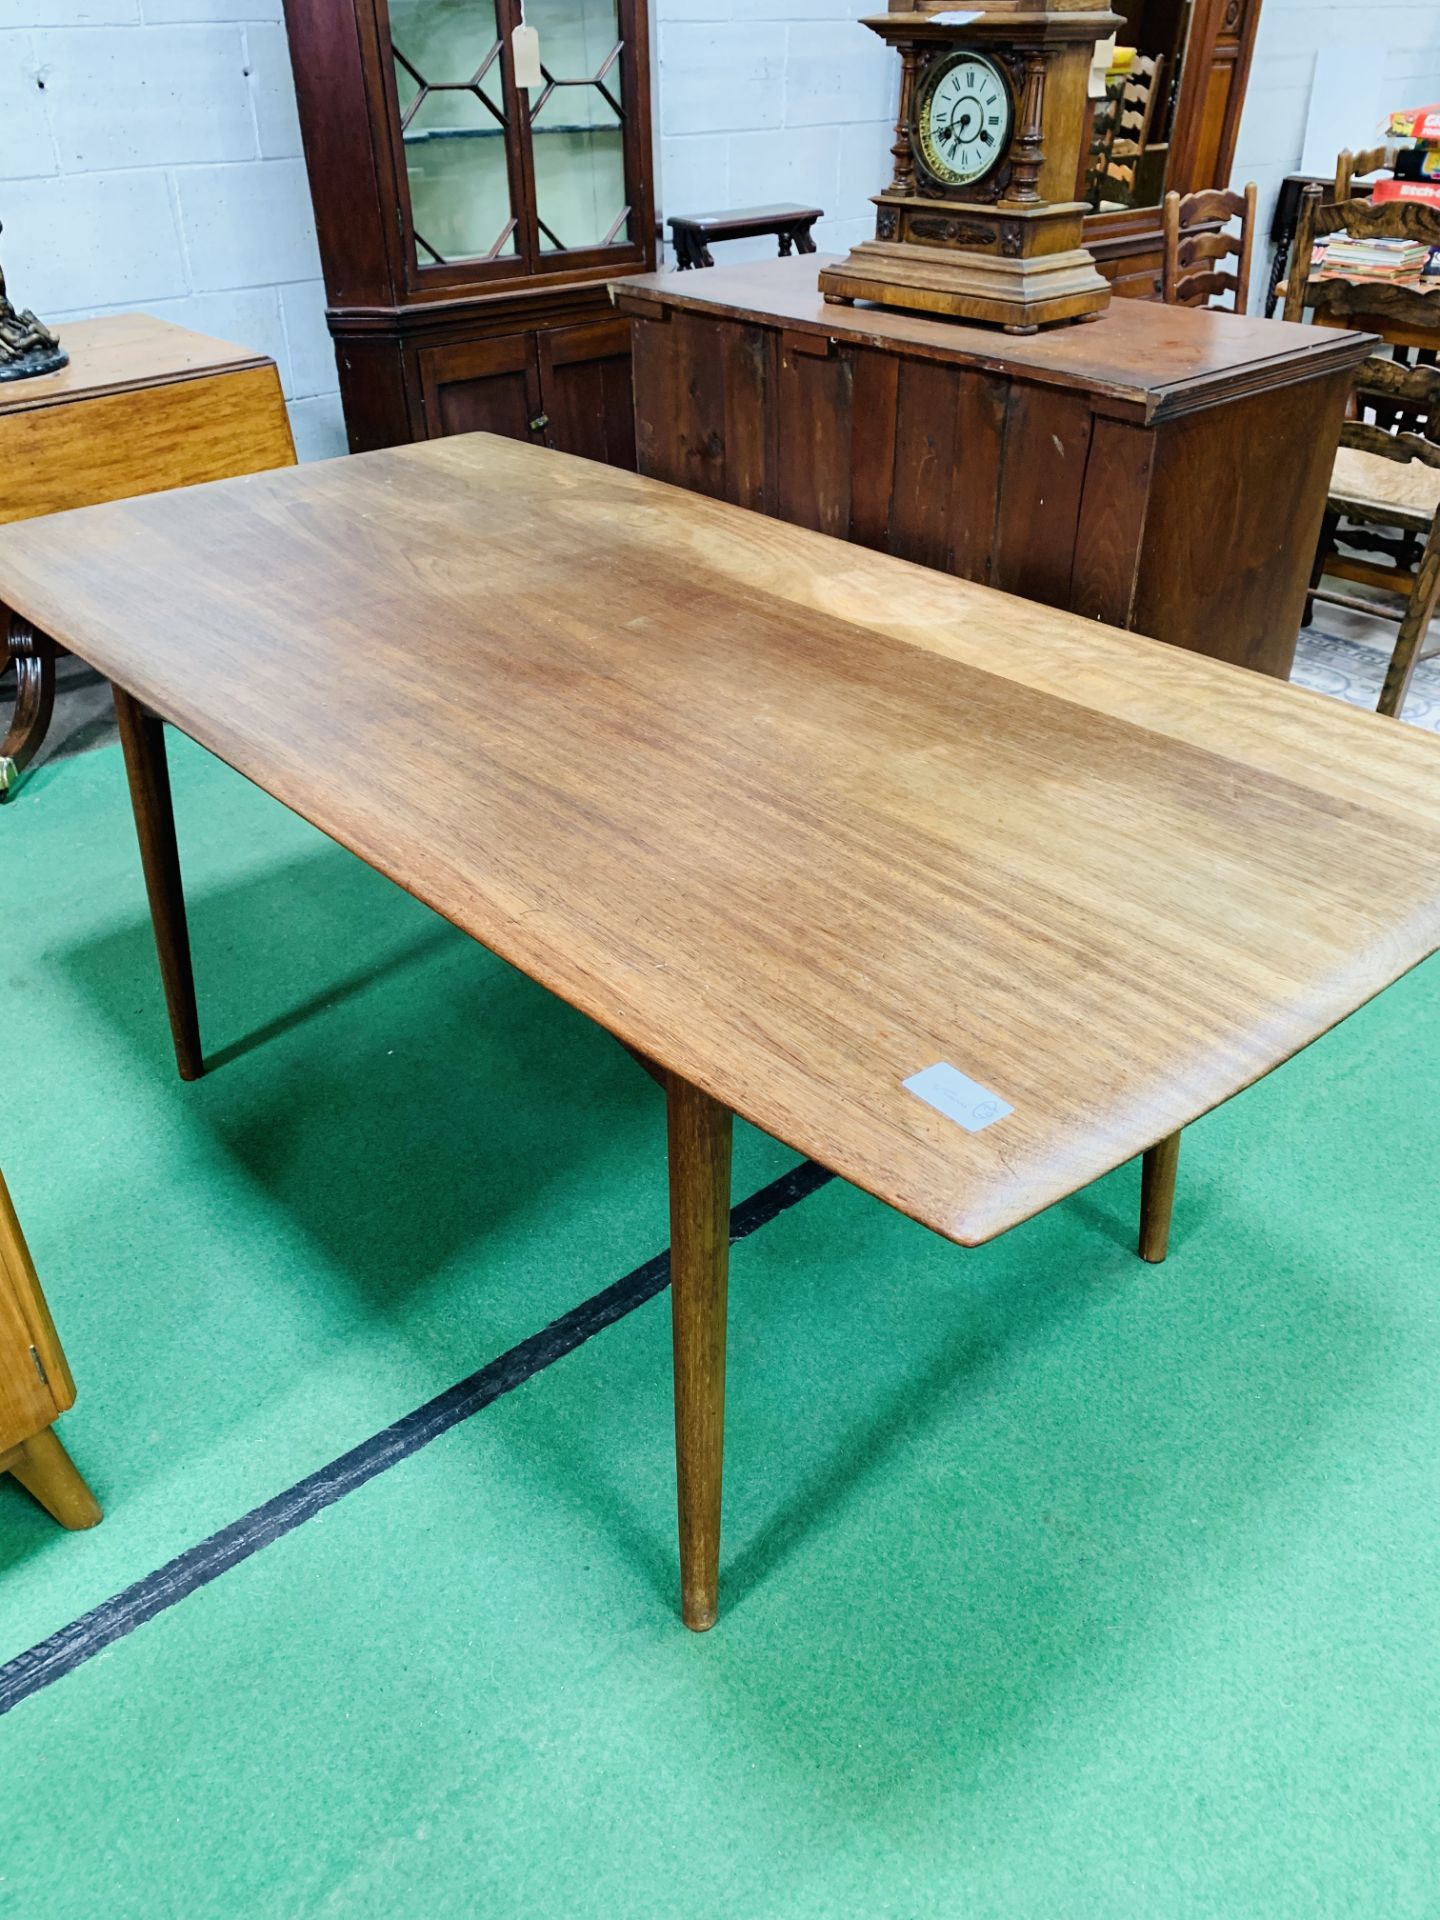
(928, 882)
(142, 406)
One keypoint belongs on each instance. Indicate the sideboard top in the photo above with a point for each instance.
(1139, 360)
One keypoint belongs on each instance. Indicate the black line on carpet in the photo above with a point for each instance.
(71, 1646)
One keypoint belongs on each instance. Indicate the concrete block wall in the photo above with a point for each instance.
(1292, 34)
(150, 152)
(759, 103)
(150, 158)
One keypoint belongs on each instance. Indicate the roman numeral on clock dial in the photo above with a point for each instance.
(963, 119)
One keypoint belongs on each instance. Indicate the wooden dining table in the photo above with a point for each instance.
(926, 881)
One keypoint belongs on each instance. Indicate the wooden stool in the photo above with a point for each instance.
(691, 233)
(35, 1386)
(142, 406)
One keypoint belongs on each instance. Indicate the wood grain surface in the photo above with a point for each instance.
(699, 1135)
(794, 819)
(35, 1382)
(142, 440)
(1190, 510)
(1138, 361)
(122, 351)
(45, 1470)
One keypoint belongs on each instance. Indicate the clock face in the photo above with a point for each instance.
(963, 119)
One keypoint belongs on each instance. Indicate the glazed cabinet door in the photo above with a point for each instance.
(496, 181)
(586, 390)
(482, 386)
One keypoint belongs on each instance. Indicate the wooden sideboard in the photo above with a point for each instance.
(1162, 469)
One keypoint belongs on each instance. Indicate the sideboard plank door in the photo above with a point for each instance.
(1047, 449)
(815, 406)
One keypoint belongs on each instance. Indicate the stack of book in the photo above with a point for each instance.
(1383, 260)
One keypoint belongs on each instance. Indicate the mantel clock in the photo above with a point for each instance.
(981, 221)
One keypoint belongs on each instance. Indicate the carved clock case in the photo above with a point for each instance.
(468, 224)
(981, 220)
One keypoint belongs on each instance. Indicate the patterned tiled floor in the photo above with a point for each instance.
(1346, 654)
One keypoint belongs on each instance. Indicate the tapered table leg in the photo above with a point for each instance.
(1157, 1199)
(45, 1470)
(142, 736)
(699, 1130)
(33, 657)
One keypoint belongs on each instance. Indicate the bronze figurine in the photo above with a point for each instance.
(27, 346)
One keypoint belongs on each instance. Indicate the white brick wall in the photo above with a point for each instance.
(150, 157)
(150, 151)
(1292, 33)
(767, 100)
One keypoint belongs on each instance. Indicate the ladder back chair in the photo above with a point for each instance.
(1382, 523)
(1139, 98)
(1351, 167)
(1195, 274)
(1122, 130)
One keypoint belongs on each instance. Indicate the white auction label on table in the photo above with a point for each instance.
(958, 1097)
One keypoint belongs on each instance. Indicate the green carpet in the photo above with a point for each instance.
(1054, 1585)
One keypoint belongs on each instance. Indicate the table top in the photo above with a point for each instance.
(1140, 360)
(794, 819)
(120, 352)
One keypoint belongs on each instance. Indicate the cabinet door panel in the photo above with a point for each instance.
(1047, 447)
(587, 390)
(1224, 44)
(481, 386)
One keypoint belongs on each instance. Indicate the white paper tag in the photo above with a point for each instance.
(959, 1098)
(525, 52)
(1100, 66)
(956, 17)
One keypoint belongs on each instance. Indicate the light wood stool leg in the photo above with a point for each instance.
(142, 736)
(45, 1470)
(1157, 1199)
(700, 1131)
